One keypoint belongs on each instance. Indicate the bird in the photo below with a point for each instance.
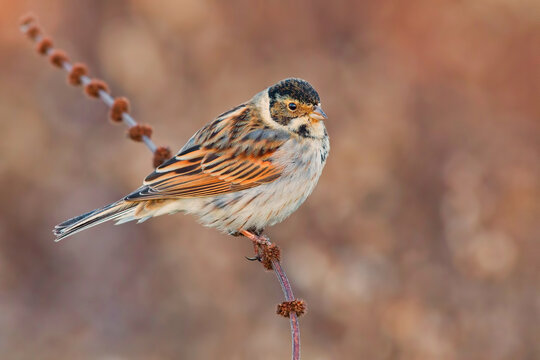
(249, 168)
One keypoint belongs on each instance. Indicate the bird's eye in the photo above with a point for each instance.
(292, 106)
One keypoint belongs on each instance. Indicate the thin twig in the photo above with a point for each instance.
(78, 75)
(270, 253)
(293, 317)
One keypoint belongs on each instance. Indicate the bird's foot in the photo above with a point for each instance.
(265, 251)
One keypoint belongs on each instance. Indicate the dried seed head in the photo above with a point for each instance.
(137, 132)
(94, 86)
(58, 57)
(78, 74)
(44, 45)
(27, 19)
(297, 306)
(33, 31)
(268, 254)
(120, 106)
(77, 70)
(161, 154)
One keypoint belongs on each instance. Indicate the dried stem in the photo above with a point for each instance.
(293, 316)
(78, 75)
(269, 254)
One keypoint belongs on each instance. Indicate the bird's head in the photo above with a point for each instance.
(294, 104)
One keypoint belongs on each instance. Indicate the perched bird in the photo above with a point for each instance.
(251, 167)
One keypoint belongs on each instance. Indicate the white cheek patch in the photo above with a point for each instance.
(264, 105)
(263, 102)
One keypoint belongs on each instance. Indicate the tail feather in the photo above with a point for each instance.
(120, 209)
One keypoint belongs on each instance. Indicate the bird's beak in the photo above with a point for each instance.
(318, 114)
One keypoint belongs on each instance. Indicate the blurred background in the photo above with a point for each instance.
(421, 240)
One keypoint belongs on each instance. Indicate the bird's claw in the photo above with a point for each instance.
(257, 257)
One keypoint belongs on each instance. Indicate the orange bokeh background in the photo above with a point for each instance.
(421, 240)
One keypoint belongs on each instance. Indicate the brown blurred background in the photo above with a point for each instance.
(421, 240)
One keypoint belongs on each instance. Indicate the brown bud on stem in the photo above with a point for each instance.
(161, 154)
(77, 70)
(58, 58)
(44, 45)
(137, 132)
(268, 254)
(119, 107)
(27, 20)
(94, 86)
(286, 308)
(33, 31)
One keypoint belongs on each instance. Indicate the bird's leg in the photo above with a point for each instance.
(257, 242)
(265, 251)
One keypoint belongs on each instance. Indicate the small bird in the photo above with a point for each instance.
(249, 168)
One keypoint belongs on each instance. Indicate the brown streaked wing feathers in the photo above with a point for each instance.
(225, 156)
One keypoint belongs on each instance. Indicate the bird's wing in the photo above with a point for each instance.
(231, 153)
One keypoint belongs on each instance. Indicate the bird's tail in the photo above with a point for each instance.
(119, 210)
